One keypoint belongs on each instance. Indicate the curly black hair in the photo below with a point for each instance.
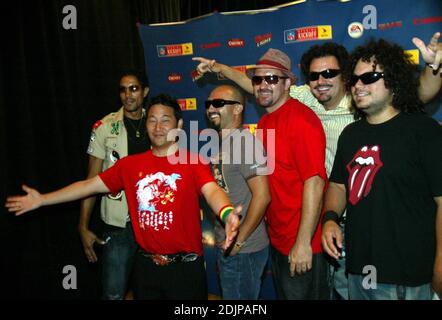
(401, 74)
(325, 50)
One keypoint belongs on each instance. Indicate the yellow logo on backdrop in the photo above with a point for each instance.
(187, 104)
(191, 104)
(187, 48)
(325, 32)
(414, 55)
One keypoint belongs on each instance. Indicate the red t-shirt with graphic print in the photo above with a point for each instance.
(298, 153)
(163, 200)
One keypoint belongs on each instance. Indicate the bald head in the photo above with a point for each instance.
(230, 114)
(230, 93)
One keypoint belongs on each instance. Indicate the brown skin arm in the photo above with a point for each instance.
(437, 269)
(88, 238)
(259, 187)
(300, 256)
(217, 199)
(207, 65)
(34, 199)
(431, 78)
(335, 200)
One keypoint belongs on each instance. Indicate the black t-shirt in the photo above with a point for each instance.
(136, 143)
(391, 172)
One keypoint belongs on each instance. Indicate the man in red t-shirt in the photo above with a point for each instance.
(163, 200)
(297, 183)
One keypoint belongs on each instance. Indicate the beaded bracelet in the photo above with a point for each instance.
(224, 212)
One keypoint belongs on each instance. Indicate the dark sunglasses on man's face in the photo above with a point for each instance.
(366, 78)
(132, 88)
(218, 103)
(272, 79)
(326, 74)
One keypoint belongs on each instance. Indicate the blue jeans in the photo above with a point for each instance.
(338, 280)
(241, 274)
(338, 275)
(117, 261)
(386, 291)
(313, 285)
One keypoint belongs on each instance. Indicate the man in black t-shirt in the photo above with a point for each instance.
(388, 175)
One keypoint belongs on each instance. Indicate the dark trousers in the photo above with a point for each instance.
(176, 281)
(312, 285)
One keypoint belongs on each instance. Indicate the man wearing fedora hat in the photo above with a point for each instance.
(297, 184)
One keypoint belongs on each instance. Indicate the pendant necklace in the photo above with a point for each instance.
(137, 130)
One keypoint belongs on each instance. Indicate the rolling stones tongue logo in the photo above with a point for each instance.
(362, 169)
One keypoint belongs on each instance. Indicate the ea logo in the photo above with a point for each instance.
(355, 30)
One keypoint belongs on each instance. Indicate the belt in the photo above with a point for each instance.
(166, 259)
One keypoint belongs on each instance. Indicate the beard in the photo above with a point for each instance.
(265, 100)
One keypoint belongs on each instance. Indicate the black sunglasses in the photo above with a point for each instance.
(218, 103)
(326, 74)
(366, 78)
(132, 88)
(272, 79)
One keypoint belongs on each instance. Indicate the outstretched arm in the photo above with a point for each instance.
(217, 200)
(207, 65)
(33, 199)
(431, 77)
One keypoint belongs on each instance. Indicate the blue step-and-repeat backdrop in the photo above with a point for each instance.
(239, 39)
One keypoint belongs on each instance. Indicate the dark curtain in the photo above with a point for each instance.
(54, 84)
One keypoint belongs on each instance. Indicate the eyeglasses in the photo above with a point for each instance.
(326, 74)
(272, 79)
(132, 88)
(366, 78)
(218, 103)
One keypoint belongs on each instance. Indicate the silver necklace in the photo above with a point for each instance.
(137, 130)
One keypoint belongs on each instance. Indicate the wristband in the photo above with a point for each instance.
(224, 212)
(431, 65)
(330, 215)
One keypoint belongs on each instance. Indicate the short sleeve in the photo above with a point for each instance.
(113, 177)
(256, 164)
(96, 142)
(202, 175)
(309, 147)
(338, 172)
(304, 95)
